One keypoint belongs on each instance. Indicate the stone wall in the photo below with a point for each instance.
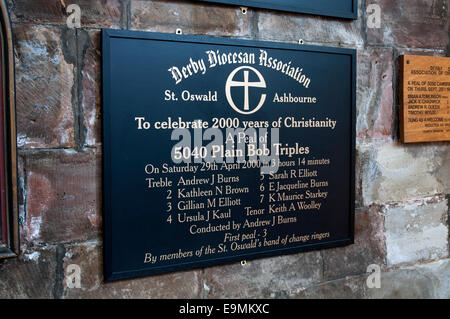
(402, 190)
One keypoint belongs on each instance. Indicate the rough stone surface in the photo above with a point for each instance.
(439, 271)
(394, 172)
(32, 275)
(358, 181)
(63, 196)
(44, 87)
(89, 258)
(404, 284)
(347, 288)
(369, 248)
(90, 88)
(289, 27)
(406, 23)
(191, 17)
(417, 282)
(375, 94)
(264, 278)
(443, 172)
(94, 13)
(417, 231)
(414, 51)
(21, 200)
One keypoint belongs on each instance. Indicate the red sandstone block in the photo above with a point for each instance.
(63, 196)
(344, 288)
(358, 188)
(21, 198)
(44, 87)
(392, 172)
(94, 13)
(290, 27)
(369, 247)
(375, 93)
(406, 23)
(191, 17)
(264, 278)
(91, 87)
(31, 275)
(89, 258)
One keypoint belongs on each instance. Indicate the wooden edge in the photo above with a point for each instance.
(11, 172)
(4, 238)
(401, 61)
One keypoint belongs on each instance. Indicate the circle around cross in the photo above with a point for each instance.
(246, 84)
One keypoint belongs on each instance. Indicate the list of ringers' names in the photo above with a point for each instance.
(425, 98)
(209, 197)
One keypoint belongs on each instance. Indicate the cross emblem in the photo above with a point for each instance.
(246, 85)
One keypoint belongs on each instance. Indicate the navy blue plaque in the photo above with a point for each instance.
(347, 9)
(218, 150)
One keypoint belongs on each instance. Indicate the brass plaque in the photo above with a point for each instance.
(424, 99)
